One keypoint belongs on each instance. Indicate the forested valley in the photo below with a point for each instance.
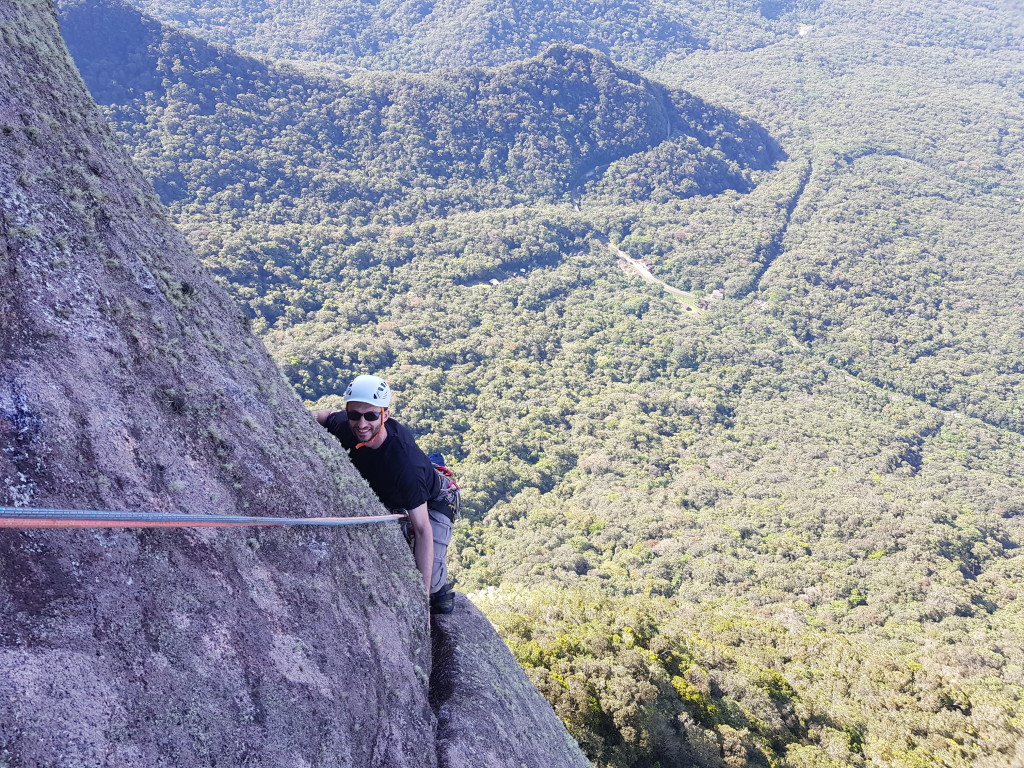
(773, 518)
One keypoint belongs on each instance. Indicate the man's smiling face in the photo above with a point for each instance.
(365, 420)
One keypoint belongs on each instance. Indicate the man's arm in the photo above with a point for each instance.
(423, 549)
(322, 415)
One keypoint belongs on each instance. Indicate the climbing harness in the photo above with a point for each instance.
(451, 491)
(19, 517)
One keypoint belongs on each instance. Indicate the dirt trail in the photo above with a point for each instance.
(640, 268)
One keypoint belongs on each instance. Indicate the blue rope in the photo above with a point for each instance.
(11, 517)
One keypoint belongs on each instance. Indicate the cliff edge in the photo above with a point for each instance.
(128, 381)
(483, 698)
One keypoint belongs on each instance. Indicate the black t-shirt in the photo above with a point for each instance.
(398, 471)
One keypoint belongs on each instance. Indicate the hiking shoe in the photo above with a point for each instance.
(443, 601)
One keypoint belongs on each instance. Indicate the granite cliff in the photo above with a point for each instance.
(128, 381)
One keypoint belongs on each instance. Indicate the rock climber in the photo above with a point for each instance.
(386, 455)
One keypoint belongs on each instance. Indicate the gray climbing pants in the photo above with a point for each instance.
(441, 526)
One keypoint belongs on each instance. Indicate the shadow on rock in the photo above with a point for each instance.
(479, 692)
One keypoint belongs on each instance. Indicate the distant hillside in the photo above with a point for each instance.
(388, 34)
(422, 36)
(297, 147)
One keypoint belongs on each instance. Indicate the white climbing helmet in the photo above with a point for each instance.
(371, 390)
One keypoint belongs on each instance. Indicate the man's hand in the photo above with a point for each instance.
(322, 414)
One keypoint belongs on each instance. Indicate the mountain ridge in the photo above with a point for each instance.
(385, 144)
(421, 36)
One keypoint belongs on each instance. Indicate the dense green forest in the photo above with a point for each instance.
(424, 36)
(229, 136)
(776, 521)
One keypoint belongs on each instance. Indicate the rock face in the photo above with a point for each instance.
(128, 381)
(482, 699)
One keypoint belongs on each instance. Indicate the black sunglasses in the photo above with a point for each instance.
(357, 415)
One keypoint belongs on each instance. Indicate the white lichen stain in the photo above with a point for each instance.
(219, 644)
(20, 493)
(264, 592)
(289, 656)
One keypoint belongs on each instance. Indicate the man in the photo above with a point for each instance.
(401, 475)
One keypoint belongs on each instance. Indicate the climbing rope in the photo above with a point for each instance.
(19, 517)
